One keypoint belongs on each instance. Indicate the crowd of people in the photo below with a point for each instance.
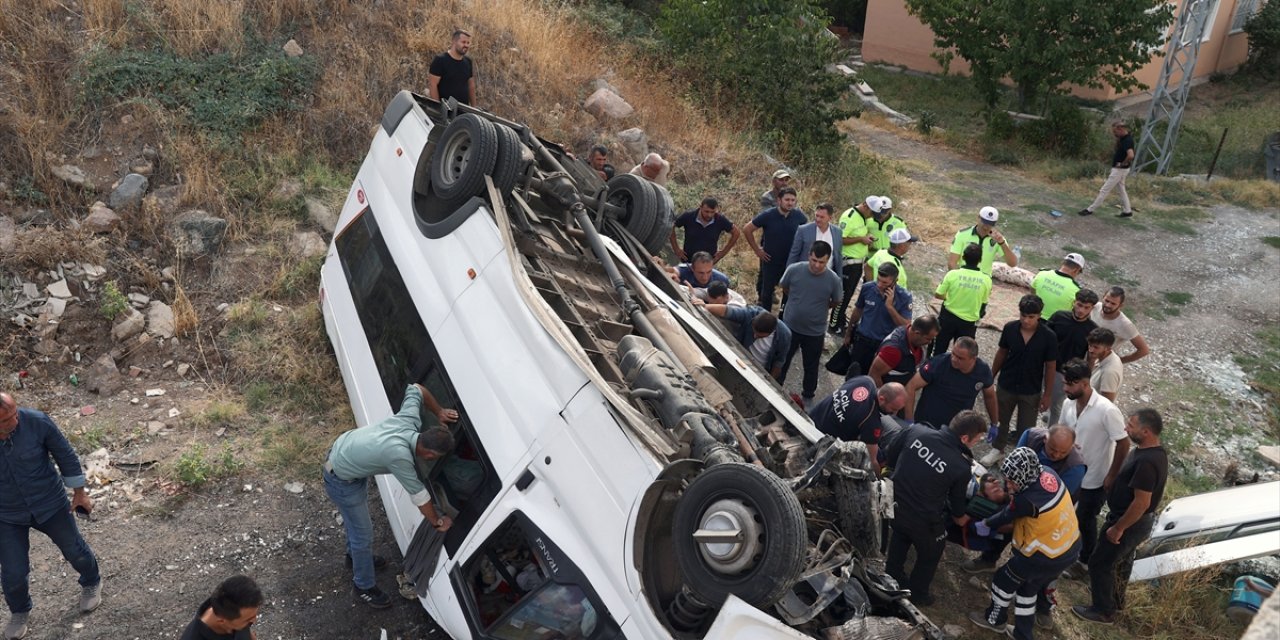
(912, 380)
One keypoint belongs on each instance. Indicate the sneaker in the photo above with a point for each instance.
(1044, 620)
(373, 596)
(1093, 615)
(1077, 571)
(17, 627)
(1084, 212)
(977, 565)
(991, 458)
(379, 562)
(980, 618)
(90, 597)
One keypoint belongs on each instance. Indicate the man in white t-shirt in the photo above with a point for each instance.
(1107, 315)
(1100, 434)
(1108, 371)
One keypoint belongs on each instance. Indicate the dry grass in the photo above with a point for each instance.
(195, 26)
(44, 248)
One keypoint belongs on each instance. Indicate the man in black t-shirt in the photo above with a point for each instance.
(1072, 330)
(229, 613)
(1024, 366)
(702, 230)
(1121, 160)
(1133, 500)
(949, 383)
(452, 74)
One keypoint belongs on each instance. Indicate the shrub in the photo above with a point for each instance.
(1264, 40)
(926, 122)
(1000, 125)
(195, 467)
(1065, 130)
(114, 302)
(769, 59)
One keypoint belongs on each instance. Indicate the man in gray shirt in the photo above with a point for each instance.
(811, 291)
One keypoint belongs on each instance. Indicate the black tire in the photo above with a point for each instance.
(859, 522)
(507, 167)
(775, 550)
(638, 201)
(663, 221)
(464, 155)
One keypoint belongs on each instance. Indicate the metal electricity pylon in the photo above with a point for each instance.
(1169, 98)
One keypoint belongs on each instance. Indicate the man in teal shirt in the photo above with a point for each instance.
(390, 447)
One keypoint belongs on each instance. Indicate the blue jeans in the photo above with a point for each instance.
(15, 562)
(352, 499)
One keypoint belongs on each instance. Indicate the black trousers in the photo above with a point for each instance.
(929, 542)
(1020, 585)
(950, 327)
(864, 351)
(770, 276)
(810, 348)
(1087, 510)
(850, 277)
(1110, 563)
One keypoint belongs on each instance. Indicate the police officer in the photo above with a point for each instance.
(964, 293)
(1046, 540)
(900, 241)
(984, 235)
(931, 473)
(1058, 287)
(855, 248)
(882, 223)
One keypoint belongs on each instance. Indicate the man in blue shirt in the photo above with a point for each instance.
(778, 227)
(702, 230)
(881, 307)
(701, 272)
(761, 333)
(32, 497)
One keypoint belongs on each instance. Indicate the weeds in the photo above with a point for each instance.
(114, 302)
(1262, 367)
(1271, 241)
(1182, 605)
(219, 414)
(222, 94)
(197, 466)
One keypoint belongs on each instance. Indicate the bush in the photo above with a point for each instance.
(223, 94)
(1000, 125)
(1000, 152)
(114, 302)
(926, 122)
(1264, 40)
(768, 59)
(1065, 130)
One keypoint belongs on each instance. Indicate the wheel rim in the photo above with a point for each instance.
(457, 156)
(729, 536)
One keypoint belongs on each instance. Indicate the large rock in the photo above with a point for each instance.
(197, 231)
(165, 199)
(131, 323)
(308, 244)
(322, 214)
(605, 104)
(8, 234)
(103, 377)
(129, 192)
(74, 176)
(101, 219)
(160, 320)
(635, 141)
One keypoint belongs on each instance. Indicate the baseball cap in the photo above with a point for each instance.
(781, 174)
(886, 202)
(875, 204)
(901, 235)
(1076, 258)
(989, 215)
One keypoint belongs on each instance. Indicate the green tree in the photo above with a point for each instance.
(1046, 45)
(1264, 39)
(767, 59)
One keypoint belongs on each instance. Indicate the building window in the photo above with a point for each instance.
(1244, 10)
(1210, 19)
